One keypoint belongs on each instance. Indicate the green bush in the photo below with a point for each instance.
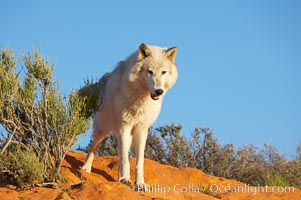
(25, 168)
(34, 113)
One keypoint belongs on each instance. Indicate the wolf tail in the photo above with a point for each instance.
(92, 94)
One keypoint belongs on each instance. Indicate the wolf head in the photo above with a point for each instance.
(156, 69)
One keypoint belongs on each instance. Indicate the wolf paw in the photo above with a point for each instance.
(142, 187)
(86, 169)
(126, 182)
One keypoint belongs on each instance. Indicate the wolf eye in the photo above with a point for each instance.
(150, 72)
(163, 72)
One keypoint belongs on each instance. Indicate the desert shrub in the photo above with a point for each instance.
(25, 168)
(248, 164)
(176, 147)
(209, 155)
(298, 149)
(108, 147)
(90, 92)
(154, 149)
(266, 167)
(34, 113)
(275, 169)
(293, 173)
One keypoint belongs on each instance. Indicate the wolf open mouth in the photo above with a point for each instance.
(155, 96)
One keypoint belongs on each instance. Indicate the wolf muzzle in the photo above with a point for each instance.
(157, 94)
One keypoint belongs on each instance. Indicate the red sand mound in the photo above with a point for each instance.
(165, 182)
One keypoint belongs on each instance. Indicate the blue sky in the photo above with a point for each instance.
(239, 61)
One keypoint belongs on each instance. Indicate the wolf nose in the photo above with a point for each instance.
(159, 91)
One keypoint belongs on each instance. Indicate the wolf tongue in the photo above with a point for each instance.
(154, 97)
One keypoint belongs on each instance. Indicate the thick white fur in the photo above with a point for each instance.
(127, 108)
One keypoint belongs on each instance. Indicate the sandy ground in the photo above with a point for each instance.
(165, 182)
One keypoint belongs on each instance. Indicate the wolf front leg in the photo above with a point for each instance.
(140, 136)
(124, 138)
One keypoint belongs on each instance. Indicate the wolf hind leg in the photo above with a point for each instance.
(98, 137)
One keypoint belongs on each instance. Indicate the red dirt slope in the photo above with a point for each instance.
(165, 182)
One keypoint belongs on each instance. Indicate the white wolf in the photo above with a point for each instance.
(130, 102)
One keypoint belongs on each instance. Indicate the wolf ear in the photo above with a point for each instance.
(171, 54)
(143, 51)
